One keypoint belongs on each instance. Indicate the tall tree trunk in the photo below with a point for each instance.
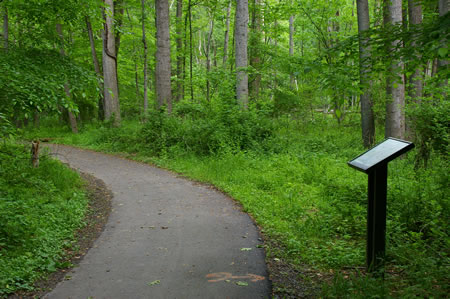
(111, 89)
(241, 36)
(415, 18)
(144, 41)
(119, 9)
(227, 35)
(163, 86)
(5, 29)
(367, 118)
(190, 50)
(208, 56)
(255, 60)
(72, 119)
(291, 46)
(395, 85)
(443, 10)
(98, 71)
(179, 42)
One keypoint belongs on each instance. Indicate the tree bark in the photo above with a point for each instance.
(255, 59)
(227, 35)
(395, 85)
(443, 10)
(291, 46)
(163, 86)
(241, 39)
(179, 42)
(190, 50)
(98, 71)
(118, 21)
(208, 56)
(415, 18)
(144, 41)
(6, 29)
(367, 118)
(111, 89)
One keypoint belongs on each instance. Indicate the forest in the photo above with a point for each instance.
(267, 100)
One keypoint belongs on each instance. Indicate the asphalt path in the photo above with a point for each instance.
(167, 237)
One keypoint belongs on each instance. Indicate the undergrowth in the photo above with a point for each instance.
(292, 176)
(40, 208)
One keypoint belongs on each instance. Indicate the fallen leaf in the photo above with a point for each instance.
(242, 283)
(155, 282)
(245, 249)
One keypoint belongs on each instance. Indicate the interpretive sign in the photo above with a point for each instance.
(374, 163)
(384, 152)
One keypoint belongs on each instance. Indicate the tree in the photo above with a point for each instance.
(208, 55)
(367, 118)
(5, 28)
(98, 71)
(227, 35)
(415, 18)
(144, 41)
(72, 119)
(241, 36)
(163, 68)
(443, 11)
(255, 60)
(395, 85)
(291, 46)
(111, 88)
(179, 43)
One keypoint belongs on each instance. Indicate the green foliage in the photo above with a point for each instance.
(6, 129)
(32, 81)
(205, 130)
(39, 210)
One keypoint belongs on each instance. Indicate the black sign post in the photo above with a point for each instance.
(374, 163)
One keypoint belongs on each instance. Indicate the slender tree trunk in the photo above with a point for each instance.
(255, 60)
(208, 56)
(6, 29)
(190, 50)
(111, 89)
(119, 10)
(367, 118)
(395, 85)
(291, 46)
(227, 35)
(98, 71)
(415, 18)
(214, 52)
(443, 10)
(275, 46)
(241, 35)
(163, 86)
(179, 42)
(72, 119)
(144, 41)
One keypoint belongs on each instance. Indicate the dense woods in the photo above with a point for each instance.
(296, 86)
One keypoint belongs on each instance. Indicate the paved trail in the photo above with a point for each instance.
(167, 237)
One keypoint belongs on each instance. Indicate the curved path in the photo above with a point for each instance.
(166, 237)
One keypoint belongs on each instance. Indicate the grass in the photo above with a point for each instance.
(40, 208)
(297, 185)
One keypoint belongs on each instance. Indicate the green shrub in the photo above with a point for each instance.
(193, 129)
